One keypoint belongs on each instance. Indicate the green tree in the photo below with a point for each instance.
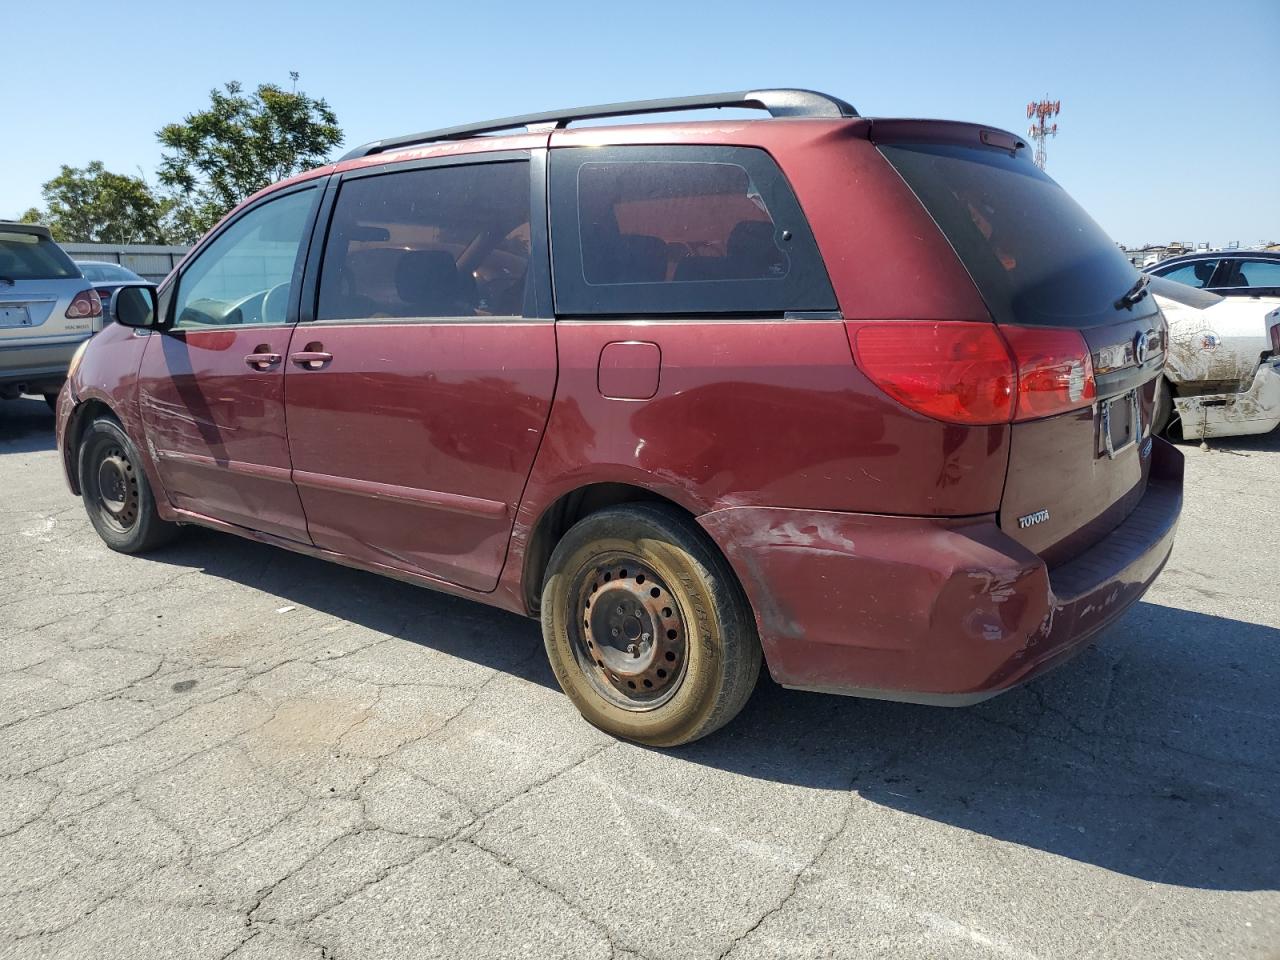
(243, 142)
(93, 205)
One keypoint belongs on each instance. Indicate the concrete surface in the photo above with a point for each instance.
(226, 750)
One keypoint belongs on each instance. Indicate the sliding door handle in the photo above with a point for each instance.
(312, 358)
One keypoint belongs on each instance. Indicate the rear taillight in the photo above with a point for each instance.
(954, 370)
(1055, 371)
(977, 373)
(1274, 319)
(86, 304)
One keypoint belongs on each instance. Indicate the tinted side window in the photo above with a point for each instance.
(1255, 273)
(1195, 274)
(245, 274)
(436, 242)
(680, 230)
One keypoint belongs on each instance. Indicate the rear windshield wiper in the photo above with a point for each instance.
(1135, 293)
(9, 280)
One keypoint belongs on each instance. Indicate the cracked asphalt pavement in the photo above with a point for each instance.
(226, 750)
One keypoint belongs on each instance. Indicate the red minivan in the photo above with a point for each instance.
(868, 399)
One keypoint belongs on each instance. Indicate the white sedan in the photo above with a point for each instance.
(1222, 377)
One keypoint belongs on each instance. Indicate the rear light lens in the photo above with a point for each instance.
(977, 373)
(86, 304)
(1274, 319)
(1055, 371)
(955, 371)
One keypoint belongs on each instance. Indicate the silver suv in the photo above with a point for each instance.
(47, 310)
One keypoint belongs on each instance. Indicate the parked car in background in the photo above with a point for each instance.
(106, 277)
(868, 398)
(47, 311)
(1229, 273)
(1222, 378)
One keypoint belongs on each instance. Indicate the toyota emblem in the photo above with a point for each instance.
(1142, 347)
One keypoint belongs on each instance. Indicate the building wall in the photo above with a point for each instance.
(148, 261)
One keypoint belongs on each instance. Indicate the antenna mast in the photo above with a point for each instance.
(1041, 129)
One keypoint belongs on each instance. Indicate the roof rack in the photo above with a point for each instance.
(779, 103)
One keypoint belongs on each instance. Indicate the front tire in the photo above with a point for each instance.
(116, 493)
(646, 627)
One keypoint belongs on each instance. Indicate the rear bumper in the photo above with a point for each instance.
(934, 610)
(1255, 410)
(36, 365)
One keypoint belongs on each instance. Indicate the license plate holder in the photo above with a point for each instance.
(1121, 423)
(14, 316)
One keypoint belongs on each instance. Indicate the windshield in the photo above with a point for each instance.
(1034, 254)
(29, 256)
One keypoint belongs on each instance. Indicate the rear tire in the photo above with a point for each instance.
(1162, 412)
(116, 493)
(646, 626)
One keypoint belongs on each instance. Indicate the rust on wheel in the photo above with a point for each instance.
(117, 484)
(630, 639)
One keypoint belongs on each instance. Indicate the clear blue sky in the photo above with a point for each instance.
(1170, 127)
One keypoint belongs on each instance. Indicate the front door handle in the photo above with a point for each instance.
(312, 358)
(262, 358)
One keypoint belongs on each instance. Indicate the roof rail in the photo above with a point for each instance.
(779, 103)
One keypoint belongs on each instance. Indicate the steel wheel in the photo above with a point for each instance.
(632, 644)
(645, 626)
(117, 489)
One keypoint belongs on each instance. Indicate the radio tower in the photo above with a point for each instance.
(1041, 130)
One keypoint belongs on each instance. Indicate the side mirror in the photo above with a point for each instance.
(134, 305)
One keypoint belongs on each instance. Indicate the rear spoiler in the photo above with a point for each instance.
(36, 229)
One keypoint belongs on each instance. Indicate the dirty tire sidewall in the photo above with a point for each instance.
(1162, 412)
(149, 530)
(722, 650)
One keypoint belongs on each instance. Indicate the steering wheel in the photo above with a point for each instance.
(275, 304)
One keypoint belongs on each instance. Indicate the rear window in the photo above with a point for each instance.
(29, 256)
(1034, 254)
(639, 230)
(1255, 273)
(106, 272)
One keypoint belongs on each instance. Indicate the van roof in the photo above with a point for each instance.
(779, 102)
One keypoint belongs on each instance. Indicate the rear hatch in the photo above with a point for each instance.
(1042, 264)
(38, 283)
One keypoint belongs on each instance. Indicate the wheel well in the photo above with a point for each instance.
(563, 514)
(81, 417)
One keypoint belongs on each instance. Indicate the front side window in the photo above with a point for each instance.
(245, 274)
(448, 241)
(1197, 274)
(680, 230)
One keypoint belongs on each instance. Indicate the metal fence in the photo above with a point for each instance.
(148, 261)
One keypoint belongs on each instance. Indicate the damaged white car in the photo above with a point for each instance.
(1222, 377)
